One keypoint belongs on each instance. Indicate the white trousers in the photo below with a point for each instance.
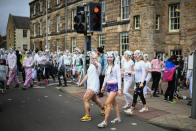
(191, 86)
(146, 88)
(127, 85)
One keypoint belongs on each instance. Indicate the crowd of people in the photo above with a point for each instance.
(107, 72)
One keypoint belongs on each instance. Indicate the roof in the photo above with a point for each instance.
(21, 22)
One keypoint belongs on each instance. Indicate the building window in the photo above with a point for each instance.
(73, 14)
(102, 40)
(34, 30)
(176, 52)
(58, 23)
(73, 43)
(24, 46)
(57, 45)
(137, 22)
(34, 9)
(157, 22)
(124, 41)
(57, 2)
(48, 26)
(41, 5)
(41, 28)
(48, 4)
(125, 9)
(24, 33)
(103, 11)
(174, 17)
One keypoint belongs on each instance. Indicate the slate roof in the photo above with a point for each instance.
(21, 22)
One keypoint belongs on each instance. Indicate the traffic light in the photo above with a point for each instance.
(95, 24)
(79, 19)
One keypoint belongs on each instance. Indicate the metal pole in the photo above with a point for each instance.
(193, 111)
(66, 23)
(47, 23)
(85, 45)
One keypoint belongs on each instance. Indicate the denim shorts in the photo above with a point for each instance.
(112, 87)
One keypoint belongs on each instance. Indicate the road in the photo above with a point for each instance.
(48, 109)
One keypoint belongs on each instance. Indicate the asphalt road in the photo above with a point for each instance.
(48, 109)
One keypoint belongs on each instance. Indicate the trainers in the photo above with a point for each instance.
(103, 110)
(85, 118)
(143, 110)
(103, 124)
(125, 106)
(128, 112)
(116, 120)
(172, 101)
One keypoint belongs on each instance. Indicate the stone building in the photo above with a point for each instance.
(153, 26)
(18, 32)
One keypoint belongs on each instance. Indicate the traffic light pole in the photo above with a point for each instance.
(193, 111)
(85, 48)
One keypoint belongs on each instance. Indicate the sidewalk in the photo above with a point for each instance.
(164, 114)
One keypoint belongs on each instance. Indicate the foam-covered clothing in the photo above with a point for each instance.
(93, 77)
(112, 75)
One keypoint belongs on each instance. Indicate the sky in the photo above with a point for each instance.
(15, 7)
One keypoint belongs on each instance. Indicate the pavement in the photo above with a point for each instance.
(171, 116)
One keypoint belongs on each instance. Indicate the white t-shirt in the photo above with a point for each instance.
(93, 77)
(127, 68)
(148, 67)
(113, 76)
(140, 71)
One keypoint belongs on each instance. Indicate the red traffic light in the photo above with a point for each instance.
(96, 10)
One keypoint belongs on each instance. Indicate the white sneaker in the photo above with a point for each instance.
(128, 112)
(116, 120)
(125, 106)
(103, 124)
(143, 110)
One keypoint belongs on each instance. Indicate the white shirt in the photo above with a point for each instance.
(113, 76)
(67, 60)
(93, 77)
(12, 60)
(148, 67)
(127, 68)
(140, 71)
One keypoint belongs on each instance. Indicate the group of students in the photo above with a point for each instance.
(40, 65)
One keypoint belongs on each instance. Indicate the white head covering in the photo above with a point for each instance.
(146, 56)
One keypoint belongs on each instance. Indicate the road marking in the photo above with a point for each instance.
(46, 96)
(134, 124)
(60, 95)
(113, 129)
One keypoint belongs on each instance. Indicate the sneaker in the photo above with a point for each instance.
(103, 110)
(128, 112)
(126, 106)
(172, 101)
(85, 118)
(116, 120)
(143, 110)
(165, 99)
(103, 124)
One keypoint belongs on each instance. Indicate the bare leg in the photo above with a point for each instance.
(116, 109)
(87, 96)
(97, 101)
(111, 97)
